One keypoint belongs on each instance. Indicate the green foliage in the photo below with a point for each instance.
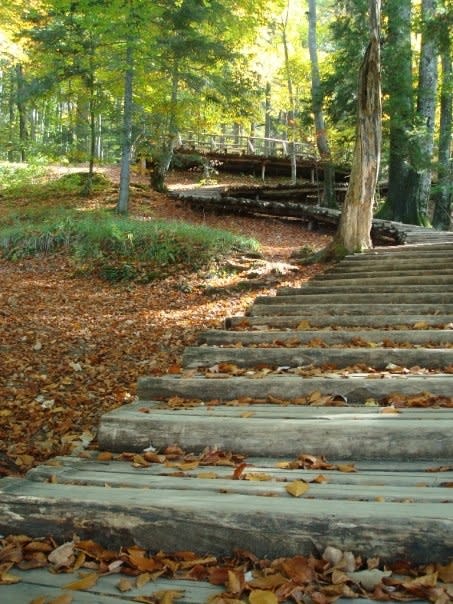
(118, 248)
(14, 177)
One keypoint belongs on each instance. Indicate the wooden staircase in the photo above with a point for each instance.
(356, 366)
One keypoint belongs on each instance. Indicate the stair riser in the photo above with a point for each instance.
(223, 522)
(338, 310)
(356, 390)
(415, 337)
(326, 288)
(307, 297)
(371, 321)
(293, 357)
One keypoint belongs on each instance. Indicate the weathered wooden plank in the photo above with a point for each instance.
(371, 321)
(355, 389)
(41, 582)
(388, 473)
(271, 486)
(270, 527)
(353, 309)
(306, 297)
(378, 358)
(433, 337)
(423, 275)
(312, 288)
(372, 437)
(391, 264)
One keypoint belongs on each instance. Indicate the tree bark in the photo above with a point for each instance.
(443, 197)
(353, 233)
(400, 105)
(126, 138)
(21, 111)
(418, 187)
(292, 104)
(328, 197)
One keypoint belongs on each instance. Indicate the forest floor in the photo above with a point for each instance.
(73, 347)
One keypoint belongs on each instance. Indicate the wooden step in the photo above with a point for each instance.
(364, 310)
(391, 265)
(362, 434)
(49, 586)
(378, 358)
(367, 278)
(397, 275)
(356, 389)
(216, 516)
(308, 322)
(358, 288)
(417, 337)
(306, 297)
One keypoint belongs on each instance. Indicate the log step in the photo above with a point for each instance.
(338, 310)
(218, 515)
(392, 265)
(358, 288)
(378, 358)
(356, 388)
(369, 278)
(353, 298)
(40, 583)
(358, 435)
(427, 337)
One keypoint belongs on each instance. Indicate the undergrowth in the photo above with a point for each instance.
(117, 248)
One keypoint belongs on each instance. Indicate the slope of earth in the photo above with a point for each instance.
(73, 348)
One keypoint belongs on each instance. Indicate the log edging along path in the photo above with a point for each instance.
(235, 392)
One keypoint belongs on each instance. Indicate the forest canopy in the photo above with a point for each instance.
(105, 81)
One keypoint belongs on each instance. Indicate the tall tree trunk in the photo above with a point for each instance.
(292, 104)
(21, 111)
(92, 124)
(161, 163)
(353, 233)
(444, 194)
(400, 105)
(418, 187)
(267, 119)
(126, 136)
(11, 100)
(322, 143)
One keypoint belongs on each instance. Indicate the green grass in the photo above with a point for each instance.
(114, 247)
(43, 216)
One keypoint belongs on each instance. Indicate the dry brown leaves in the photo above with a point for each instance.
(72, 348)
(244, 577)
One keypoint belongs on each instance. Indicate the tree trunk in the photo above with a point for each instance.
(400, 105)
(162, 160)
(292, 104)
(21, 111)
(267, 120)
(353, 233)
(443, 197)
(418, 186)
(328, 197)
(126, 137)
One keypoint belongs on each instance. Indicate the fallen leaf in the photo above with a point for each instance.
(142, 579)
(346, 468)
(63, 556)
(124, 585)
(369, 578)
(259, 596)
(86, 582)
(297, 488)
(169, 596)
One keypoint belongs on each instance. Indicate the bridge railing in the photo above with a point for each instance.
(245, 145)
